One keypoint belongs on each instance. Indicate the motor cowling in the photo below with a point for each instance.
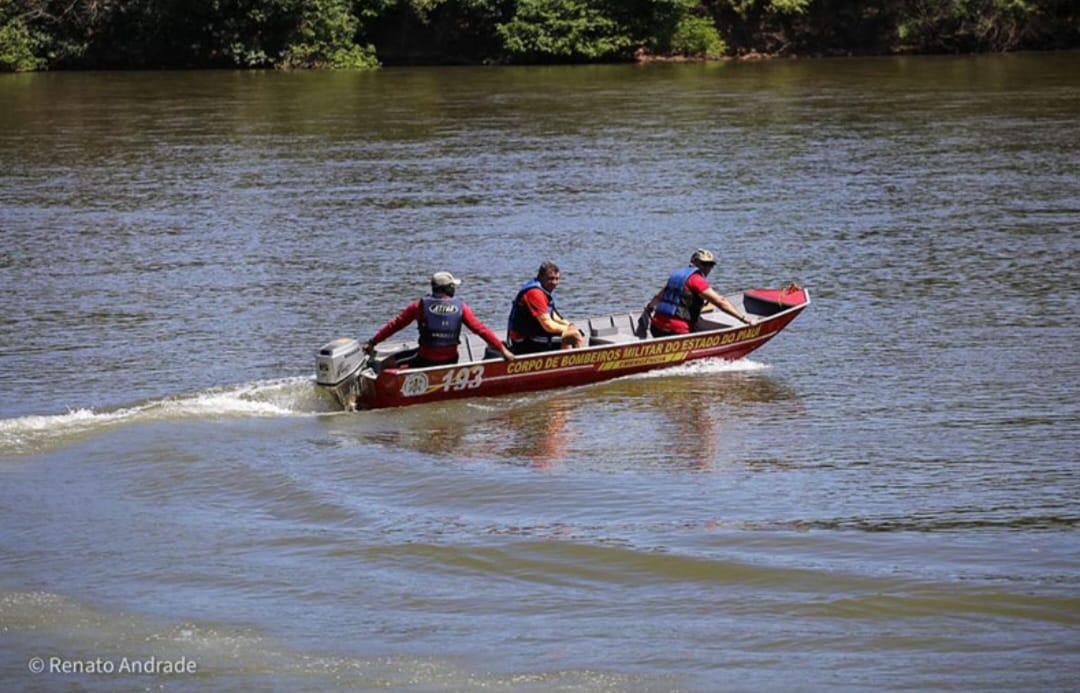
(338, 360)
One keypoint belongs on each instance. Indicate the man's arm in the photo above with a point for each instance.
(727, 306)
(408, 315)
(538, 305)
(474, 324)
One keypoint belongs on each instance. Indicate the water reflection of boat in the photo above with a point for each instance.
(541, 435)
(689, 420)
(616, 348)
(682, 418)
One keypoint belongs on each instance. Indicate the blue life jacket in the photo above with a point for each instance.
(440, 321)
(522, 320)
(678, 300)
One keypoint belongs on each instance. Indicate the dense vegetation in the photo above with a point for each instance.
(65, 34)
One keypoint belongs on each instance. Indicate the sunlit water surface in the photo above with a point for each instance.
(882, 498)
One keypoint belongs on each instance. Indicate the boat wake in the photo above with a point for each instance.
(295, 396)
(285, 397)
(703, 367)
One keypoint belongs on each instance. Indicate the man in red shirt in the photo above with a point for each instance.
(439, 317)
(678, 305)
(535, 323)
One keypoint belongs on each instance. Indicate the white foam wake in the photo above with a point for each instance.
(705, 367)
(284, 397)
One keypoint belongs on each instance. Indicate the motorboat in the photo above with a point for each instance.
(618, 345)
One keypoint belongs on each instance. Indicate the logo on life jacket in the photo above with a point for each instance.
(443, 308)
(440, 322)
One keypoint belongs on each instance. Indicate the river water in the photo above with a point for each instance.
(883, 498)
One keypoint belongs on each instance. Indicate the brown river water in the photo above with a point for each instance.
(883, 498)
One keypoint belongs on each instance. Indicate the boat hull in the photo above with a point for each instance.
(398, 387)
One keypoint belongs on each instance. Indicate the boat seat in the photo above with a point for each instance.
(389, 348)
(715, 320)
(613, 329)
(474, 348)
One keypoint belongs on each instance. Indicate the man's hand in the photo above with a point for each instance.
(573, 337)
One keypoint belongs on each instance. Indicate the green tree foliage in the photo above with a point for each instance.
(892, 26)
(576, 30)
(667, 27)
(966, 25)
(325, 36)
(697, 37)
(350, 34)
(435, 31)
(746, 8)
(757, 26)
(544, 30)
(183, 33)
(22, 48)
(36, 34)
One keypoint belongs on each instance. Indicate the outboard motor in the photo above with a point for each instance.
(337, 360)
(336, 366)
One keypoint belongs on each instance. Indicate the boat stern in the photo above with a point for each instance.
(337, 368)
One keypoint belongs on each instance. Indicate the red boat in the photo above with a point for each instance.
(618, 346)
